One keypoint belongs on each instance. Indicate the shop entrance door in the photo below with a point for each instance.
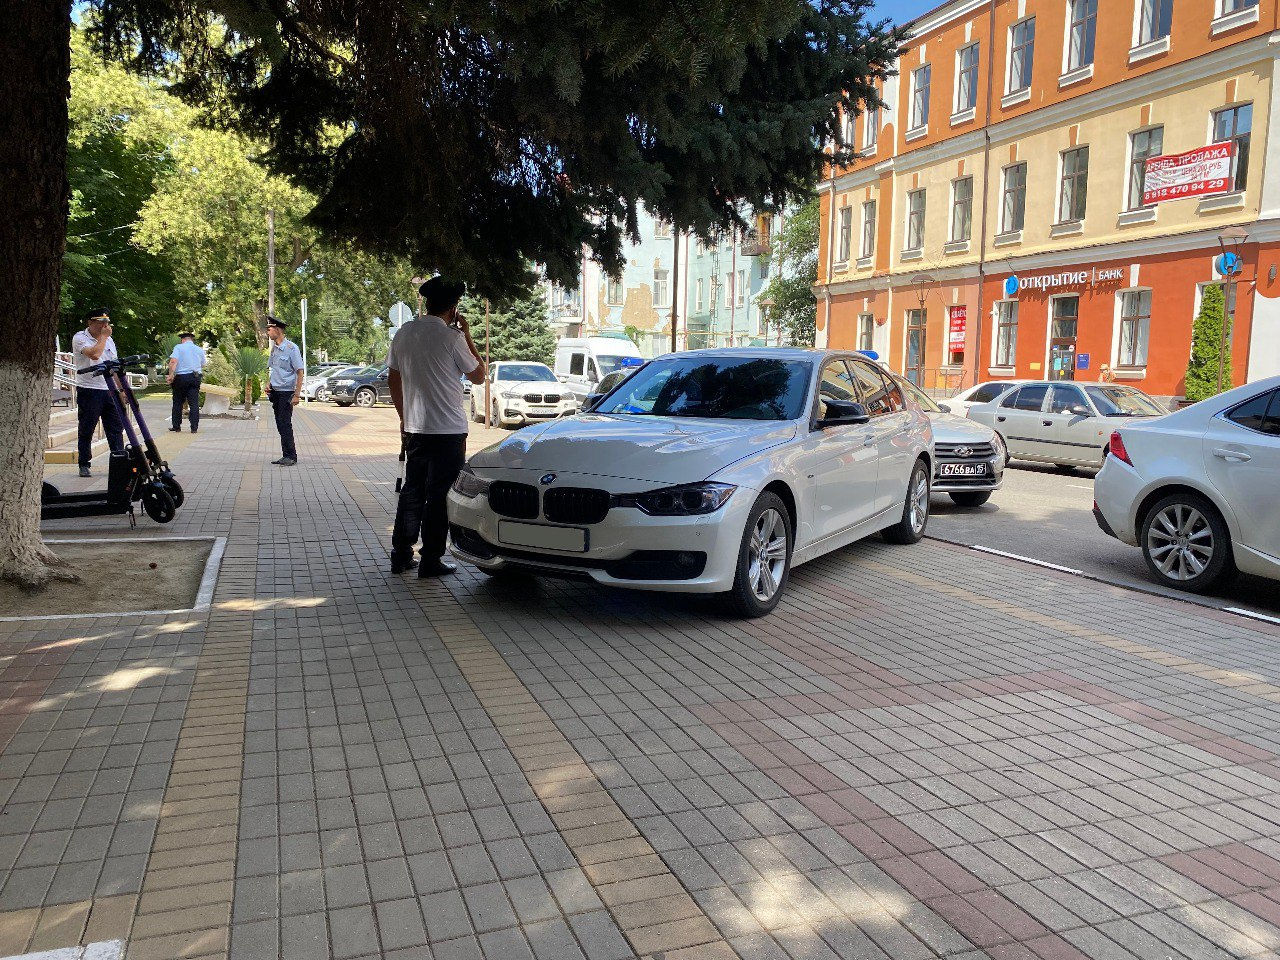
(1065, 315)
(914, 367)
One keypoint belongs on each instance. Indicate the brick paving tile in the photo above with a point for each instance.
(901, 762)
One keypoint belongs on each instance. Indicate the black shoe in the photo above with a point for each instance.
(84, 471)
(194, 430)
(175, 429)
(401, 564)
(285, 462)
(435, 567)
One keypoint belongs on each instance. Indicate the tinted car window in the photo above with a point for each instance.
(1030, 397)
(1124, 402)
(1064, 398)
(919, 396)
(577, 363)
(987, 392)
(893, 393)
(732, 388)
(835, 384)
(1254, 414)
(871, 387)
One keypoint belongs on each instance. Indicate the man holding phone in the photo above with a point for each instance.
(94, 405)
(426, 362)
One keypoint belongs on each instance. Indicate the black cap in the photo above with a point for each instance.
(101, 313)
(186, 336)
(273, 322)
(442, 294)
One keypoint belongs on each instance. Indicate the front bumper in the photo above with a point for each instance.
(992, 479)
(618, 547)
(521, 411)
(341, 394)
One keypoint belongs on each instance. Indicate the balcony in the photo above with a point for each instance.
(755, 245)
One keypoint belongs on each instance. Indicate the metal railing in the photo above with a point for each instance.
(64, 378)
(940, 383)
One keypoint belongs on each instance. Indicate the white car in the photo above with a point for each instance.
(316, 385)
(979, 393)
(968, 457)
(1064, 423)
(713, 471)
(521, 392)
(1199, 489)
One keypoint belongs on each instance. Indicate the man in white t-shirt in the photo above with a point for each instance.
(427, 360)
(94, 403)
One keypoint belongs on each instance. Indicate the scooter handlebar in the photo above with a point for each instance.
(121, 364)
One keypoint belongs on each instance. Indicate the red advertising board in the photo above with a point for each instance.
(955, 335)
(1196, 173)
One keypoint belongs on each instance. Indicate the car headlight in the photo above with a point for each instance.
(687, 500)
(469, 485)
(505, 395)
(344, 383)
(997, 443)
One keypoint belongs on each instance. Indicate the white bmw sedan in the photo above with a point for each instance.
(1199, 490)
(713, 471)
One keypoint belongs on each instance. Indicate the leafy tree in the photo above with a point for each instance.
(1210, 344)
(633, 333)
(473, 136)
(517, 329)
(795, 255)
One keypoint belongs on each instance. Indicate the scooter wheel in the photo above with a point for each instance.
(158, 504)
(172, 485)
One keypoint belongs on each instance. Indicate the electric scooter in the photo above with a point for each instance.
(136, 473)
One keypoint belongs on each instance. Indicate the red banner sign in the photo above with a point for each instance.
(1197, 173)
(959, 320)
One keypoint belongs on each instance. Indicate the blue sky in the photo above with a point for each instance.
(902, 10)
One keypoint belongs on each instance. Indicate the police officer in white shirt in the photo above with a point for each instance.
(186, 365)
(426, 362)
(92, 345)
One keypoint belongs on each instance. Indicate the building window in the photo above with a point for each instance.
(961, 208)
(740, 290)
(868, 228)
(661, 229)
(846, 233)
(728, 289)
(1006, 333)
(1013, 204)
(967, 78)
(1155, 20)
(920, 97)
(1065, 318)
(915, 220)
(697, 296)
(1235, 6)
(1022, 48)
(871, 128)
(846, 129)
(1081, 27)
(866, 331)
(613, 292)
(1075, 185)
(1135, 326)
(661, 287)
(1143, 145)
(1233, 125)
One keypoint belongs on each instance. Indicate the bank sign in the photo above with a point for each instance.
(1197, 173)
(1067, 279)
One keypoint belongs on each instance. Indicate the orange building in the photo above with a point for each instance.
(1001, 217)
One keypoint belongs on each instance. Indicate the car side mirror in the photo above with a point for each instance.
(1080, 410)
(843, 412)
(590, 403)
(944, 407)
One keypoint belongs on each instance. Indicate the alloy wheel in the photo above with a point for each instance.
(767, 555)
(919, 506)
(1180, 542)
(365, 398)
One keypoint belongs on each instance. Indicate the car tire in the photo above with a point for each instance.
(915, 509)
(322, 395)
(757, 585)
(366, 397)
(343, 403)
(496, 416)
(1186, 543)
(970, 498)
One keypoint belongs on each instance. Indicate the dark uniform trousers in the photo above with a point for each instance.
(282, 404)
(186, 389)
(432, 463)
(93, 406)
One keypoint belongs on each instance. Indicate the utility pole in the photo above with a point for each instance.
(675, 285)
(271, 262)
(304, 346)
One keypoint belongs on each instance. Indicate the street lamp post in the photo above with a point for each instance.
(765, 305)
(1229, 242)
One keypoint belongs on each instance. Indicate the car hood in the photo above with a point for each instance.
(953, 428)
(530, 386)
(658, 449)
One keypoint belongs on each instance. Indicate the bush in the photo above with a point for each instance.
(1209, 341)
(219, 371)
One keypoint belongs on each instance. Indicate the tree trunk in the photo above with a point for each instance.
(35, 74)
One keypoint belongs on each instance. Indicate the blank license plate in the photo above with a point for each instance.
(568, 539)
(962, 470)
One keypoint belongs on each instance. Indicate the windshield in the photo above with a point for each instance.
(919, 396)
(342, 372)
(610, 365)
(1124, 402)
(517, 372)
(730, 388)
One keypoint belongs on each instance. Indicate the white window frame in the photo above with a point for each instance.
(662, 283)
(1235, 159)
(1006, 228)
(951, 227)
(1009, 89)
(1154, 44)
(911, 194)
(1231, 14)
(959, 108)
(1118, 331)
(1126, 201)
(918, 120)
(844, 234)
(728, 289)
(867, 320)
(661, 229)
(1012, 360)
(1068, 68)
(611, 288)
(740, 288)
(698, 295)
(1062, 182)
(865, 249)
(870, 129)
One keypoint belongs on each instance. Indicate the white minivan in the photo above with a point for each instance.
(582, 362)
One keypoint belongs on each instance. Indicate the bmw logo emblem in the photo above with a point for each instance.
(547, 478)
(964, 451)
(1011, 285)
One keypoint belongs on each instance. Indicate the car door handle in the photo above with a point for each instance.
(1000, 419)
(1238, 456)
(1046, 423)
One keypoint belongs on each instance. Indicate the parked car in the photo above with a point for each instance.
(714, 471)
(581, 362)
(983, 392)
(1064, 423)
(364, 388)
(316, 385)
(1197, 490)
(968, 457)
(521, 392)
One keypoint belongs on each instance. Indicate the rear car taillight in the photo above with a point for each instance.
(1117, 448)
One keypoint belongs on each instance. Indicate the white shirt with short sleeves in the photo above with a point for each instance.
(432, 358)
(79, 343)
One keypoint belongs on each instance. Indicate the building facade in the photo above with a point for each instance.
(998, 220)
(716, 290)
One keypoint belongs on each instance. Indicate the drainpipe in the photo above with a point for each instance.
(733, 272)
(986, 184)
(831, 239)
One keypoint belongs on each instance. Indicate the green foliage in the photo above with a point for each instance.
(480, 137)
(249, 364)
(219, 370)
(633, 333)
(795, 255)
(517, 329)
(1210, 340)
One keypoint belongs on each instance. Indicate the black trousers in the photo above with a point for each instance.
(432, 462)
(186, 389)
(282, 403)
(93, 406)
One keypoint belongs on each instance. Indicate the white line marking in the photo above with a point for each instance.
(1031, 560)
(1252, 614)
(1079, 486)
(103, 950)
